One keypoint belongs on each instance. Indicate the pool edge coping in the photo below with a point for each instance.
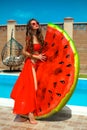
(76, 110)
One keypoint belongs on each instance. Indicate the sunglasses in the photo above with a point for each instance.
(34, 23)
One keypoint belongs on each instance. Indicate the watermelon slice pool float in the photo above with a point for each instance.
(57, 77)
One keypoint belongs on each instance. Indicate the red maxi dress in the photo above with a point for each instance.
(23, 92)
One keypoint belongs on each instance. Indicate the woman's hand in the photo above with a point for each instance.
(41, 57)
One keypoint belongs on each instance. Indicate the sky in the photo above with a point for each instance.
(45, 11)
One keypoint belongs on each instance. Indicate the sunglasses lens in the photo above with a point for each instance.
(34, 23)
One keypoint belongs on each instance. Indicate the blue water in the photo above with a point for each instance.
(78, 98)
(6, 84)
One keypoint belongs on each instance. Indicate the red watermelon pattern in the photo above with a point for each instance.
(58, 75)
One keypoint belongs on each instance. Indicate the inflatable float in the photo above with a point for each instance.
(58, 75)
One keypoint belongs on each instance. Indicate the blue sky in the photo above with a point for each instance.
(44, 11)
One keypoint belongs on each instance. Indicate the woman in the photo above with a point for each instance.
(24, 91)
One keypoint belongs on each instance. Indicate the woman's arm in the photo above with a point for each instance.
(25, 52)
(41, 57)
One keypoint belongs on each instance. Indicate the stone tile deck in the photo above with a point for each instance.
(63, 120)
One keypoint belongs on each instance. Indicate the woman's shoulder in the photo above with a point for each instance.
(27, 38)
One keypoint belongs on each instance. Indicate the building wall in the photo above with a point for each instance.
(78, 32)
(3, 40)
(80, 38)
(20, 33)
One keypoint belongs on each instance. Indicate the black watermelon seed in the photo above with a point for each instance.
(57, 71)
(62, 37)
(40, 109)
(49, 91)
(58, 94)
(69, 65)
(53, 44)
(56, 53)
(54, 84)
(54, 35)
(62, 81)
(66, 46)
(48, 104)
(68, 75)
(61, 62)
(68, 55)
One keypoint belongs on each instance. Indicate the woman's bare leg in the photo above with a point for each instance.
(31, 118)
(35, 79)
(30, 115)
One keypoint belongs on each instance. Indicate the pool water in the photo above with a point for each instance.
(6, 84)
(78, 98)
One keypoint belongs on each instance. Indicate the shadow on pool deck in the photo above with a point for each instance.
(63, 120)
(62, 115)
(10, 71)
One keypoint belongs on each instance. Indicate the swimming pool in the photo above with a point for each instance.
(6, 84)
(78, 98)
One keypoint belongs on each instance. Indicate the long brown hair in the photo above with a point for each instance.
(29, 34)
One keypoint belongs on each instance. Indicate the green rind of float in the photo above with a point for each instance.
(55, 27)
(76, 74)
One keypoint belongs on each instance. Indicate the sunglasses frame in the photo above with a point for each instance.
(34, 23)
